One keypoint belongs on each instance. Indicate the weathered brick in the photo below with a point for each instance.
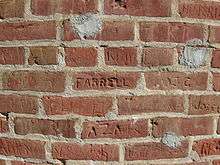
(157, 57)
(183, 126)
(50, 7)
(115, 129)
(149, 104)
(194, 163)
(123, 56)
(216, 80)
(18, 104)
(27, 163)
(111, 31)
(176, 80)
(11, 9)
(207, 147)
(160, 8)
(214, 35)
(81, 57)
(3, 125)
(43, 55)
(25, 126)
(154, 150)
(102, 152)
(104, 80)
(216, 162)
(199, 9)
(28, 30)
(86, 106)
(22, 148)
(170, 32)
(34, 81)
(216, 58)
(204, 104)
(11, 55)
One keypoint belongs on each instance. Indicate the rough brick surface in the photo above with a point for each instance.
(85, 152)
(11, 56)
(43, 56)
(109, 82)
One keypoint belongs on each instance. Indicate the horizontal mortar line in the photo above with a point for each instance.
(111, 93)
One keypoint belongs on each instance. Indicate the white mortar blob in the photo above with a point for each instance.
(193, 56)
(171, 140)
(87, 25)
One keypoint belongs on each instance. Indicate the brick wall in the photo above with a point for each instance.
(109, 82)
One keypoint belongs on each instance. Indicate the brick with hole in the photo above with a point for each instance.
(24, 104)
(22, 148)
(12, 9)
(129, 105)
(111, 31)
(4, 125)
(34, 81)
(152, 57)
(176, 81)
(122, 56)
(44, 55)
(105, 80)
(65, 128)
(170, 32)
(183, 126)
(85, 106)
(151, 8)
(27, 30)
(81, 57)
(120, 129)
(207, 147)
(99, 152)
(50, 7)
(204, 104)
(12, 56)
(199, 9)
(154, 151)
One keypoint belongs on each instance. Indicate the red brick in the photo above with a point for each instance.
(34, 81)
(2, 162)
(102, 152)
(214, 36)
(81, 57)
(28, 30)
(50, 7)
(18, 104)
(25, 126)
(149, 104)
(111, 31)
(3, 125)
(86, 106)
(207, 147)
(216, 58)
(216, 80)
(170, 32)
(176, 80)
(157, 57)
(122, 56)
(10, 55)
(160, 8)
(204, 104)
(155, 150)
(218, 128)
(194, 163)
(183, 126)
(199, 9)
(22, 148)
(104, 80)
(115, 129)
(11, 9)
(216, 162)
(43, 55)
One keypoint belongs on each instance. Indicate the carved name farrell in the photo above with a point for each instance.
(108, 81)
